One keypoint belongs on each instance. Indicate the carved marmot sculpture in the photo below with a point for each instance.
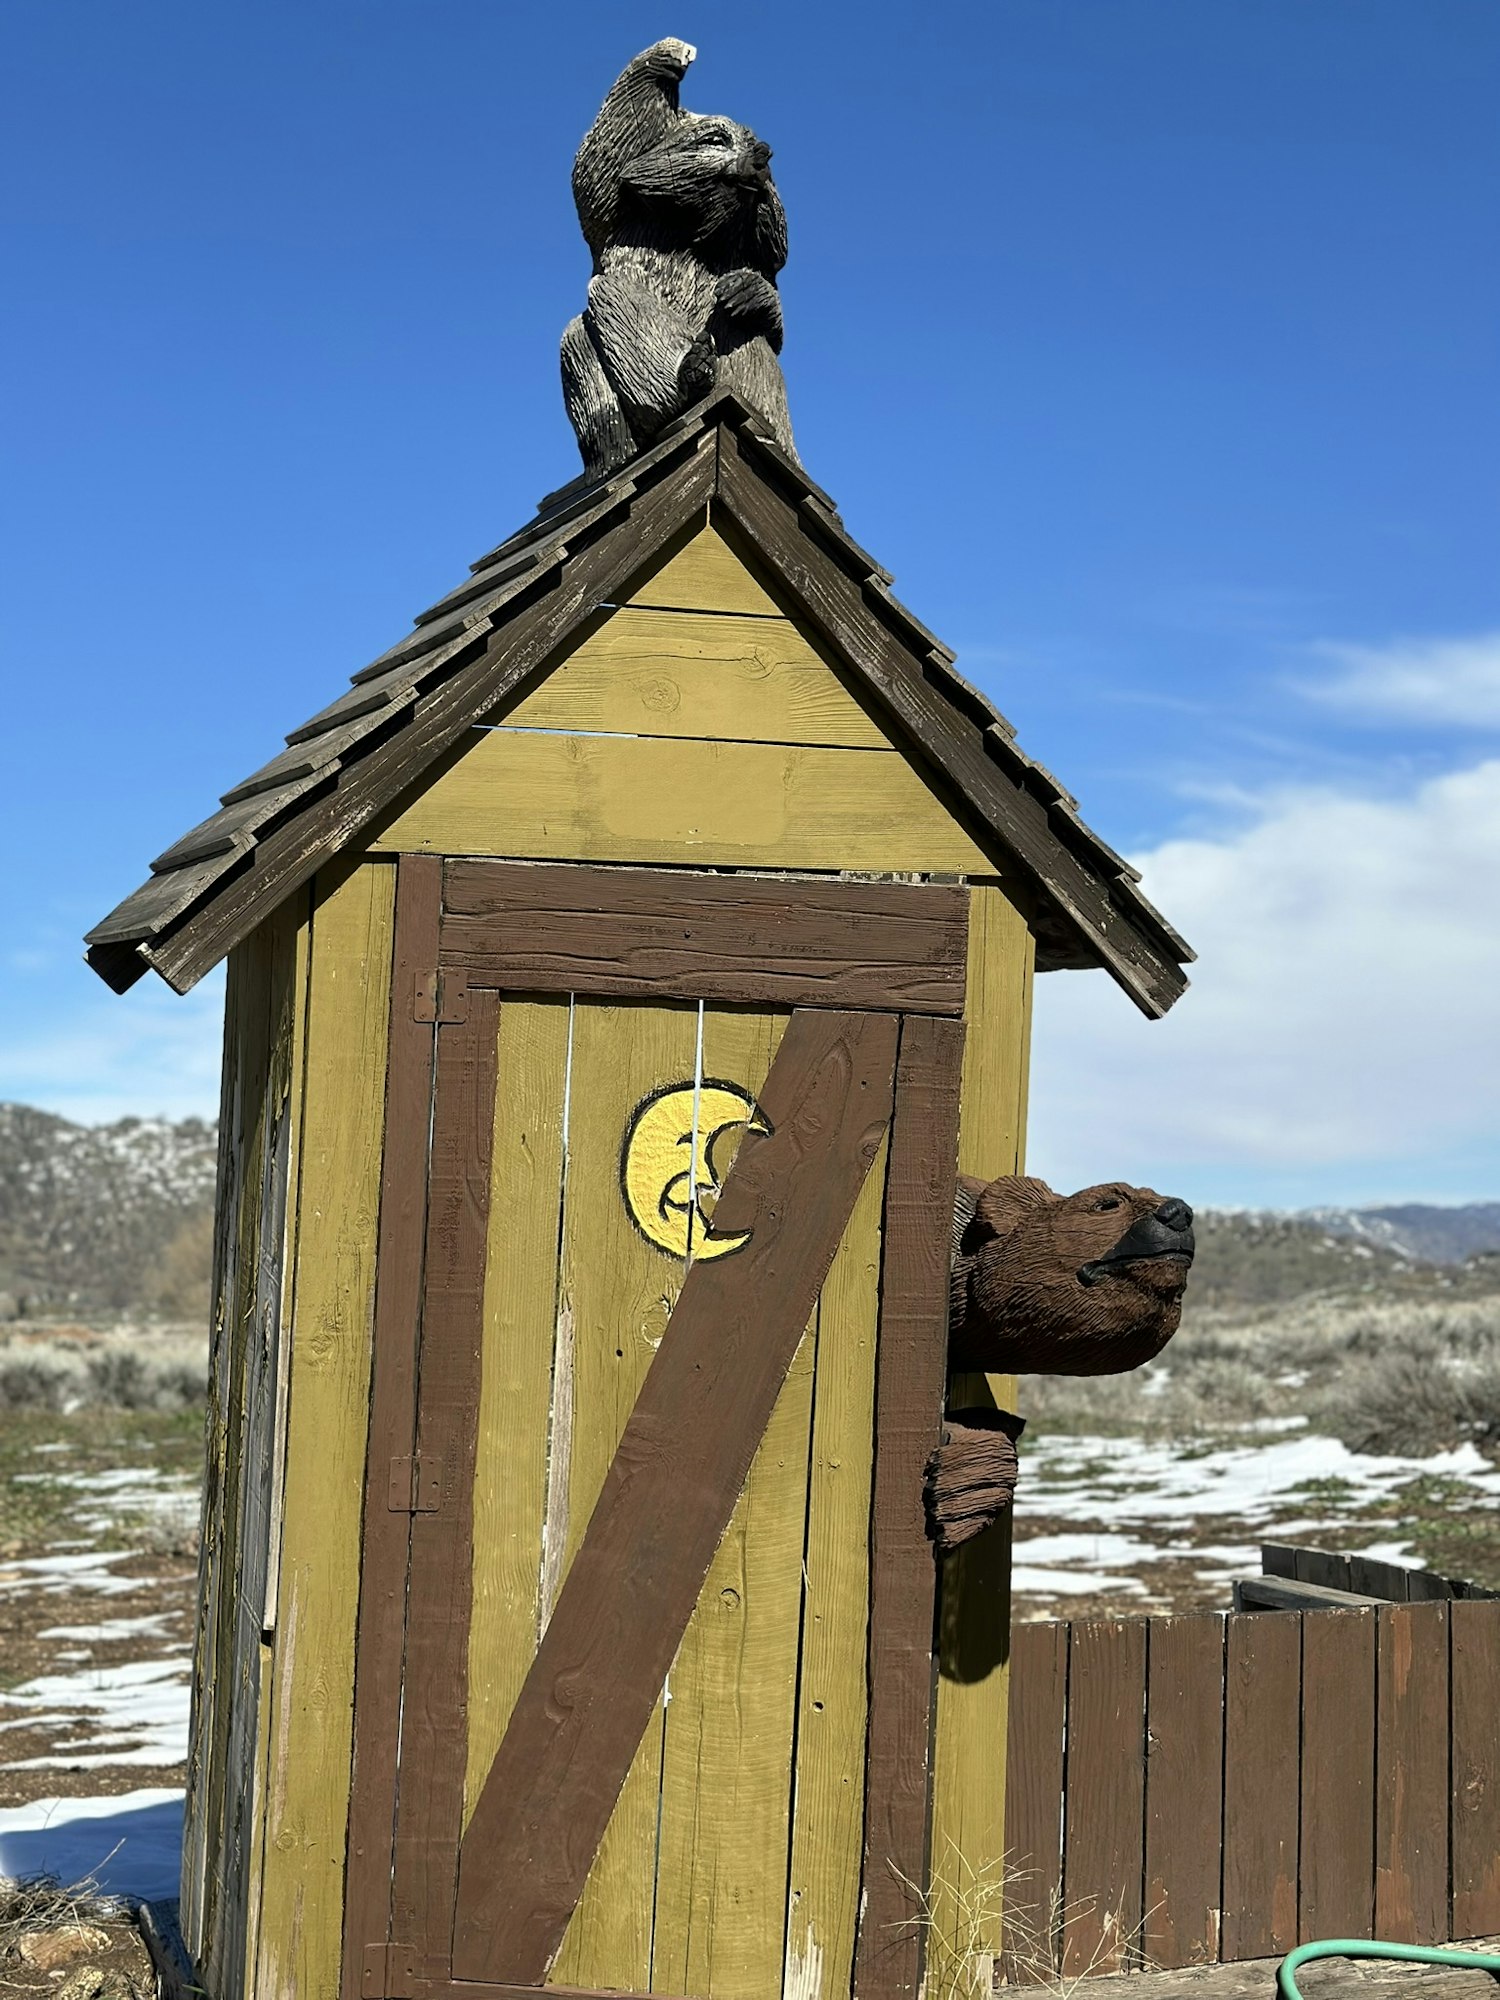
(687, 233)
(1081, 1284)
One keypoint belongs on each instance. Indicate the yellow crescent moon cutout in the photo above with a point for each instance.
(666, 1181)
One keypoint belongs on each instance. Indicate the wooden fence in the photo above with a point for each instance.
(1184, 1790)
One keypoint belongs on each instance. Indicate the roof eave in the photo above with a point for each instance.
(502, 628)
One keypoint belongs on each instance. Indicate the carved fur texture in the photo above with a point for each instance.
(1080, 1284)
(687, 233)
(971, 1477)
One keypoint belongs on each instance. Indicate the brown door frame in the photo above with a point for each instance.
(466, 932)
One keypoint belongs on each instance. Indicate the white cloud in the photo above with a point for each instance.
(147, 1053)
(1343, 1015)
(1425, 681)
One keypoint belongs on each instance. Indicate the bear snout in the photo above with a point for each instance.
(1165, 1232)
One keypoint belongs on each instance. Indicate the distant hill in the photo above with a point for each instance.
(1418, 1230)
(1249, 1257)
(104, 1219)
(107, 1220)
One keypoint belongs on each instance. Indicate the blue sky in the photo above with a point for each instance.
(1152, 344)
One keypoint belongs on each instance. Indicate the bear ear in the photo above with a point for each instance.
(1001, 1206)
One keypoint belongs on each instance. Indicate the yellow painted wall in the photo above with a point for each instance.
(311, 1680)
(697, 724)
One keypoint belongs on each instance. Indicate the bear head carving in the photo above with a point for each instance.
(1080, 1284)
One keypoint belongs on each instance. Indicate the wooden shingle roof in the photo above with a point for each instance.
(504, 627)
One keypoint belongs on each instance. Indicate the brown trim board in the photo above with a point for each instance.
(669, 1495)
(910, 1380)
(749, 940)
(434, 1699)
(386, 1542)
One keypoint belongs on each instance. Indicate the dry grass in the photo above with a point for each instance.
(966, 1907)
(70, 1942)
(123, 1371)
(1399, 1375)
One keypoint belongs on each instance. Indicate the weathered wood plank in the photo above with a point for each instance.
(301, 902)
(520, 1313)
(747, 805)
(670, 1492)
(643, 933)
(328, 1421)
(1338, 1775)
(706, 575)
(1104, 1823)
(726, 1782)
(828, 1804)
(1184, 1790)
(727, 1748)
(264, 1224)
(1323, 1979)
(1034, 1800)
(725, 678)
(1475, 1632)
(434, 1687)
(1287, 1593)
(910, 1375)
(968, 1807)
(236, 1668)
(1412, 1800)
(616, 1291)
(214, 1547)
(1263, 1681)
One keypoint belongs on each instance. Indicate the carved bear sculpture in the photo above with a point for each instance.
(687, 233)
(1080, 1284)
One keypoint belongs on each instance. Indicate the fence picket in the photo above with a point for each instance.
(1262, 1701)
(1412, 1793)
(1338, 1775)
(1475, 1629)
(1034, 1801)
(1196, 1788)
(1104, 1810)
(1184, 1789)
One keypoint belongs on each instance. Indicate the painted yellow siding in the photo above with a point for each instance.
(328, 1416)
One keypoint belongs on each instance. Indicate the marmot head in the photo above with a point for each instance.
(712, 181)
(1081, 1284)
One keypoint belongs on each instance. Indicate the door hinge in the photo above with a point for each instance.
(441, 995)
(389, 1972)
(416, 1485)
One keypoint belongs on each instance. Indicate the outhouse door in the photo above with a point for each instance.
(643, 1685)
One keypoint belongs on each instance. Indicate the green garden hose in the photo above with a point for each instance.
(1420, 1954)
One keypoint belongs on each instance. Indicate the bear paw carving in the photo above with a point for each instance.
(970, 1479)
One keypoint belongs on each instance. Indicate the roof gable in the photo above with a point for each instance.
(503, 630)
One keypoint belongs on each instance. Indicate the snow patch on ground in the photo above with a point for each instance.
(55, 1574)
(1130, 1481)
(111, 1630)
(142, 1705)
(1154, 1497)
(130, 1845)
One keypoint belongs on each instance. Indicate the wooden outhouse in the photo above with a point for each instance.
(619, 971)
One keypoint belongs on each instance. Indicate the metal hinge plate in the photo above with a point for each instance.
(416, 1485)
(389, 1972)
(441, 996)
